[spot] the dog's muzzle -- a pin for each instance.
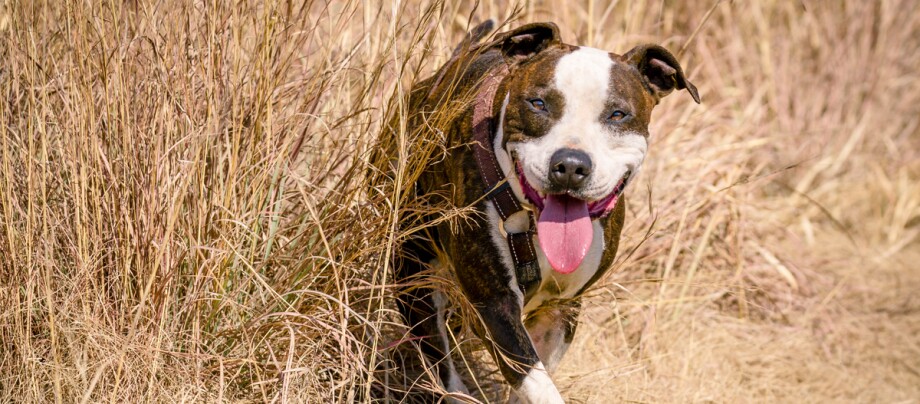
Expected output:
(569, 169)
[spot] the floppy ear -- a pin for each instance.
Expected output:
(527, 40)
(661, 70)
(473, 37)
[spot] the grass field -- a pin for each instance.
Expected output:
(184, 213)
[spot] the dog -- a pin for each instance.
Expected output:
(542, 139)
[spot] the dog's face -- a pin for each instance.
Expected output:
(575, 122)
(574, 128)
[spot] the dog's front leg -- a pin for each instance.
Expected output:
(513, 350)
(552, 328)
(483, 269)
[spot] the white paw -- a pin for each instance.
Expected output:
(537, 388)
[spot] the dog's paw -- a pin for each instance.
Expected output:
(537, 388)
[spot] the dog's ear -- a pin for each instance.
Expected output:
(473, 37)
(528, 40)
(661, 70)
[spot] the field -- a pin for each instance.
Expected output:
(186, 216)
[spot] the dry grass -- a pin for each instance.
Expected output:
(184, 214)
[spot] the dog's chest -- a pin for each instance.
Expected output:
(554, 285)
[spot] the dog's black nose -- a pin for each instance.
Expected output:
(569, 168)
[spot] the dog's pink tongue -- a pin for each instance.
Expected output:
(564, 231)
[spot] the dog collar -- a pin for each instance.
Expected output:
(497, 187)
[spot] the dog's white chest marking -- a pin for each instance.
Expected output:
(554, 285)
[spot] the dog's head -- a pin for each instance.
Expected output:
(574, 122)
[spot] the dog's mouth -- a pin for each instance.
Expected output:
(564, 227)
(596, 209)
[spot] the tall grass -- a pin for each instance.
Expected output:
(185, 213)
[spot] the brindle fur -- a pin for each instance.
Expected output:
(477, 263)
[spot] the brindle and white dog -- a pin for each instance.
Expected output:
(567, 126)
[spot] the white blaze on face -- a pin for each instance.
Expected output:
(583, 78)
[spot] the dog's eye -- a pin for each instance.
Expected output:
(538, 104)
(617, 116)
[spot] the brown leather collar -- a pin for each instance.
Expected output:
(497, 188)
